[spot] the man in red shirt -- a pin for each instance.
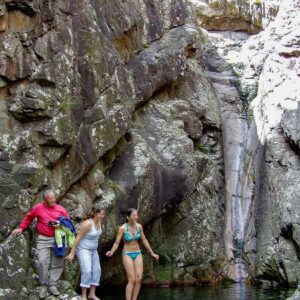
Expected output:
(50, 267)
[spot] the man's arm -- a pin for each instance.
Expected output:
(28, 219)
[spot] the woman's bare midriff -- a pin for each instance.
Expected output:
(131, 246)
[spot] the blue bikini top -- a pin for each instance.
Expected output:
(128, 236)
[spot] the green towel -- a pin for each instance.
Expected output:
(61, 233)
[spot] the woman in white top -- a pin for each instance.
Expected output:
(85, 247)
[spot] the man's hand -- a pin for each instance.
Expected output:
(17, 231)
(57, 226)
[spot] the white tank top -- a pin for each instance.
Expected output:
(91, 239)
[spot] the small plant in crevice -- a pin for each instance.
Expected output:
(115, 186)
(246, 92)
(201, 147)
(227, 280)
(236, 68)
(256, 282)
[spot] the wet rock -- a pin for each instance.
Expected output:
(66, 292)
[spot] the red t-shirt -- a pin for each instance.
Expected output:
(43, 213)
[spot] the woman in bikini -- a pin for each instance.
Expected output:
(131, 232)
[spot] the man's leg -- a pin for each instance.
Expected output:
(44, 248)
(56, 269)
(44, 255)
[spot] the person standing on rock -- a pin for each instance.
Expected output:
(50, 267)
(85, 247)
(132, 232)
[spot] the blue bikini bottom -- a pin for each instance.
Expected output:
(133, 255)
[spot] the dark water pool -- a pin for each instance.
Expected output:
(232, 292)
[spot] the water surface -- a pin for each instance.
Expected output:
(232, 292)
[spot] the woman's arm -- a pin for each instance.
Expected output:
(85, 227)
(146, 243)
(117, 242)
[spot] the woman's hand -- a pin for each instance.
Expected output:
(155, 256)
(109, 253)
(70, 257)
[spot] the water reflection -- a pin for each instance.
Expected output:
(232, 292)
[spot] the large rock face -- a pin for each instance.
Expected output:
(131, 104)
(276, 112)
(257, 83)
(106, 102)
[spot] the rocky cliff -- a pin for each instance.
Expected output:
(107, 102)
(132, 104)
(256, 78)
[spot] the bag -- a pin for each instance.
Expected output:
(60, 251)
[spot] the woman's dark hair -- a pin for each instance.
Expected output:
(129, 212)
(92, 212)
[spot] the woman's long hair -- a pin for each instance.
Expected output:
(129, 212)
(92, 212)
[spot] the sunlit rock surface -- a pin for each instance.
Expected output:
(243, 15)
(257, 82)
